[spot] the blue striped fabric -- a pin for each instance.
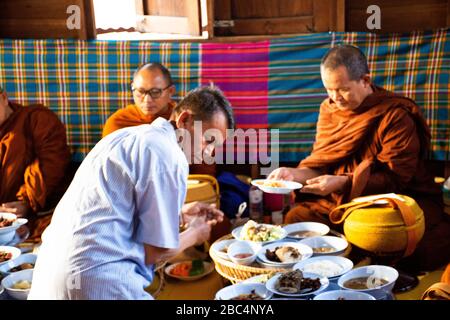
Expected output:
(86, 81)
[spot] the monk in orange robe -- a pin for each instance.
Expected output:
(34, 156)
(152, 94)
(369, 141)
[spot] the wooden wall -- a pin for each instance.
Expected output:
(399, 15)
(274, 17)
(40, 19)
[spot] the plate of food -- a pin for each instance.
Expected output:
(297, 284)
(9, 223)
(259, 232)
(284, 253)
(331, 267)
(189, 270)
(276, 186)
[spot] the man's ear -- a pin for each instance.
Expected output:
(184, 120)
(367, 80)
(172, 90)
(3, 98)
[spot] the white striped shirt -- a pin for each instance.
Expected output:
(128, 191)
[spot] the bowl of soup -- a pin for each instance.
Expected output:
(303, 230)
(376, 280)
(242, 252)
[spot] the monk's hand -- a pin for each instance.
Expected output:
(202, 229)
(282, 173)
(20, 208)
(196, 209)
(325, 184)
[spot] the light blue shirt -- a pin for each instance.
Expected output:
(128, 191)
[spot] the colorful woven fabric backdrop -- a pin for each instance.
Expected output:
(271, 84)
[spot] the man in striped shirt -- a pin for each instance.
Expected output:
(120, 215)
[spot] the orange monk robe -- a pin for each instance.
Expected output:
(133, 116)
(34, 156)
(380, 146)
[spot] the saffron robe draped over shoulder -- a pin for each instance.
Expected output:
(132, 116)
(381, 147)
(34, 155)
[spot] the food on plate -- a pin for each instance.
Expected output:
(324, 268)
(323, 249)
(5, 256)
(285, 254)
(248, 296)
(4, 222)
(188, 269)
(23, 266)
(260, 232)
(22, 285)
(272, 184)
(364, 283)
(294, 282)
(303, 234)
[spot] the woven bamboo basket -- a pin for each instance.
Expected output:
(237, 273)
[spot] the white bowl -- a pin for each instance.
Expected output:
(23, 258)
(319, 229)
(219, 247)
(338, 244)
(344, 265)
(15, 252)
(343, 295)
(9, 281)
(286, 187)
(242, 247)
(8, 233)
(304, 250)
(235, 290)
(373, 272)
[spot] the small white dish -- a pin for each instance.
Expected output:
(220, 248)
(241, 252)
(320, 245)
(271, 285)
(276, 186)
(303, 230)
(304, 250)
(232, 292)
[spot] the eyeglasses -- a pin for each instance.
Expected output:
(155, 93)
